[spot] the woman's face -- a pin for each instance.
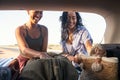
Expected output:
(35, 16)
(72, 20)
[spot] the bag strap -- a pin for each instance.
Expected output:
(56, 69)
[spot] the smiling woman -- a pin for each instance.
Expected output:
(12, 18)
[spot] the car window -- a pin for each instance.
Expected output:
(10, 19)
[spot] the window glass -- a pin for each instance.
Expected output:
(96, 25)
(12, 19)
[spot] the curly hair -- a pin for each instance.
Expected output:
(64, 29)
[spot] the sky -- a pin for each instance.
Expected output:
(11, 19)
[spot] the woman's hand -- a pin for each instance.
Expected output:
(44, 55)
(70, 57)
(78, 58)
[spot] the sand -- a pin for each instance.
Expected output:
(8, 51)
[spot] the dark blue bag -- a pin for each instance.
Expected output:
(5, 73)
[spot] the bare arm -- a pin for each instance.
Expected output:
(45, 39)
(88, 46)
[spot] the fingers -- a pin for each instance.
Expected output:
(44, 55)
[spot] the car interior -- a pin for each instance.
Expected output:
(109, 9)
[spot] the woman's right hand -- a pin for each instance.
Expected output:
(70, 57)
(44, 55)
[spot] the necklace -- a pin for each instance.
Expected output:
(70, 38)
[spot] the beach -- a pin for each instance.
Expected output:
(12, 51)
(9, 51)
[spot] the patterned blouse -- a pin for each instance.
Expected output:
(80, 36)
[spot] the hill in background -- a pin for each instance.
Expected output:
(54, 47)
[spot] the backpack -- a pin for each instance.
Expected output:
(57, 68)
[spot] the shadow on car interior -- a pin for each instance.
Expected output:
(113, 50)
